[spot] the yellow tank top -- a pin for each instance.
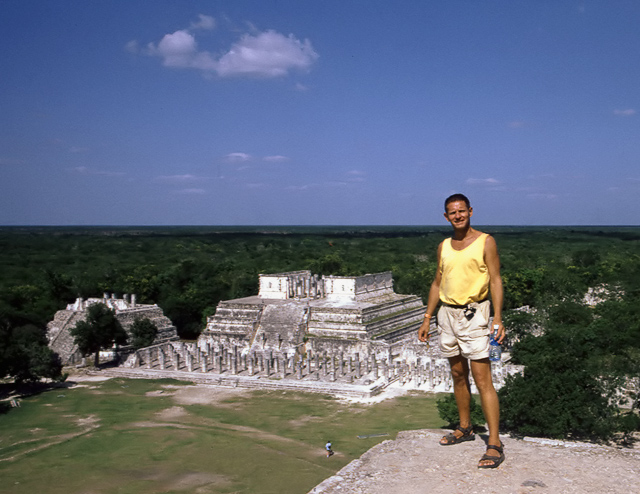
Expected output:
(465, 276)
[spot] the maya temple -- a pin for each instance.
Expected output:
(343, 335)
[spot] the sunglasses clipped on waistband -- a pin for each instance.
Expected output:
(469, 312)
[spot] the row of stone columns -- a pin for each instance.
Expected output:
(426, 372)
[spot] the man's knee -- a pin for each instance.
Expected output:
(459, 368)
(482, 375)
(459, 374)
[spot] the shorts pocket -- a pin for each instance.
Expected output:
(479, 321)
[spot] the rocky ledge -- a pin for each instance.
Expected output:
(415, 463)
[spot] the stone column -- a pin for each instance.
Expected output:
(234, 365)
(204, 363)
(176, 361)
(299, 370)
(267, 366)
(161, 358)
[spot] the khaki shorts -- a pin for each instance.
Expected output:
(461, 336)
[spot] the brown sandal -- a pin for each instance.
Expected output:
(467, 435)
(495, 459)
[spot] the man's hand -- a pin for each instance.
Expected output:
(423, 332)
(498, 334)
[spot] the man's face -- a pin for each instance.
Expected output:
(458, 214)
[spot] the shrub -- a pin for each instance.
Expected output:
(448, 411)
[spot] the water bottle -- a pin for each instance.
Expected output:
(495, 352)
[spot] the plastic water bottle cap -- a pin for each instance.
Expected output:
(496, 326)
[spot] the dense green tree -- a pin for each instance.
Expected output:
(569, 313)
(143, 332)
(521, 323)
(560, 394)
(100, 330)
(24, 354)
(573, 373)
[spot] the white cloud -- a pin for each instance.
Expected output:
(265, 54)
(204, 22)
(482, 181)
(275, 159)
(84, 170)
(190, 191)
(132, 46)
(237, 157)
(178, 178)
(624, 113)
(268, 54)
(299, 188)
(180, 50)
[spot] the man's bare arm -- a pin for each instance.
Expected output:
(432, 302)
(492, 260)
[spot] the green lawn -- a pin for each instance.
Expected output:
(133, 436)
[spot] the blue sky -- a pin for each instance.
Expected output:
(325, 112)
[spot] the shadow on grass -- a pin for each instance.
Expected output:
(20, 390)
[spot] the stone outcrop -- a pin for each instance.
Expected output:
(415, 463)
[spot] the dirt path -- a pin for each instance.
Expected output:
(416, 463)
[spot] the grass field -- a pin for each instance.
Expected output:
(161, 436)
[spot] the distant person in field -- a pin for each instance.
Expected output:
(468, 271)
(328, 448)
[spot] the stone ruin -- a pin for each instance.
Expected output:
(127, 311)
(334, 334)
(299, 313)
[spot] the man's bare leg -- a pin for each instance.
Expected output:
(481, 370)
(461, 392)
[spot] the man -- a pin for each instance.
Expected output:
(328, 448)
(468, 270)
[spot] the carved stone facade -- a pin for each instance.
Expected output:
(348, 336)
(301, 313)
(127, 311)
